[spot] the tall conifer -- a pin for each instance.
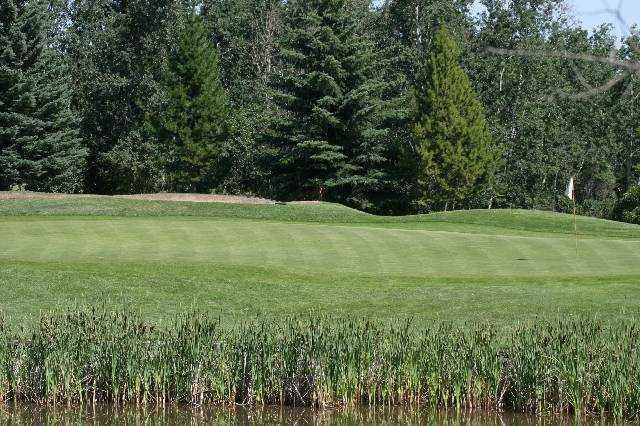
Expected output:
(39, 144)
(327, 135)
(192, 123)
(453, 140)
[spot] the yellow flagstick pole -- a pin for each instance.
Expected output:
(575, 220)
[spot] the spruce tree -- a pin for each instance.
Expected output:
(39, 144)
(191, 126)
(327, 136)
(454, 145)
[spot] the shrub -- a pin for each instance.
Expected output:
(628, 206)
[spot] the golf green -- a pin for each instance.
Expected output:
(241, 261)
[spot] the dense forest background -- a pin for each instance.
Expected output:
(397, 107)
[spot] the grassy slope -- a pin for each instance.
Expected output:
(245, 260)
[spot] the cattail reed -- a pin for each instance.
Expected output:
(568, 366)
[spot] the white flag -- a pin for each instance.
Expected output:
(569, 191)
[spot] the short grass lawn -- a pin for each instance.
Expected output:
(243, 261)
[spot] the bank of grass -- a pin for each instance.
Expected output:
(493, 221)
(243, 262)
(569, 366)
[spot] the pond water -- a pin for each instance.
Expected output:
(108, 415)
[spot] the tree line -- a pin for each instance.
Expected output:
(394, 107)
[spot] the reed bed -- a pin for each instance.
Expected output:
(570, 366)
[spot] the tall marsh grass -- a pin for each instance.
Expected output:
(573, 366)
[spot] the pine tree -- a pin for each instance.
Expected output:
(327, 135)
(192, 123)
(454, 144)
(39, 144)
(117, 51)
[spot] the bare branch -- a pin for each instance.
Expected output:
(583, 81)
(631, 66)
(625, 67)
(593, 91)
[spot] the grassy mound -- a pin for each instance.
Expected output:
(243, 261)
(120, 207)
(486, 221)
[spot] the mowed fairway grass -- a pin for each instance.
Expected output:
(240, 262)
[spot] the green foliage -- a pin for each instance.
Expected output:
(627, 208)
(191, 125)
(117, 50)
(455, 146)
(571, 366)
(328, 134)
(242, 172)
(39, 144)
(545, 113)
(319, 94)
(246, 32)
(625, 116)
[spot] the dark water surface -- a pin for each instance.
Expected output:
(107, 415)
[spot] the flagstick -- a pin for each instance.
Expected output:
(575, 221)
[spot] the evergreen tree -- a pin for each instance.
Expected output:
(39, 144)
(117, 52)
(454, 144)
(191, 124)
(327, 135)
